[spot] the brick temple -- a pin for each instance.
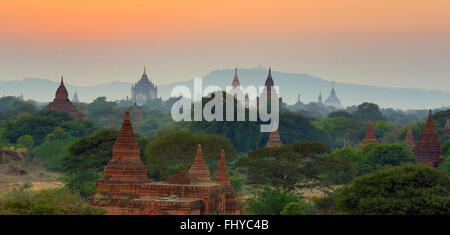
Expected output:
(80, 114)
(125, 188)
(274, 138)
(135, 114)
(370, 135)
(447, 127)
(62, 102)
(428, 149)
(409, 138)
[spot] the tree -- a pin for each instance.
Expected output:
(368, 110)
(404, 190)
(26, 141)
(271, 200)
(293, 208)
(175, 151)
(295, 165)
(91, 152)
(373, 157)
(82, 183)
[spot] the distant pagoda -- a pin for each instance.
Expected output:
(75, 98)
(135, 114)
(80, 115)
(235, 82)
(447, 127)
(274, 138)
(370, 135)
(267, 92)
(319, 100)
(333, 100)
(62, 102)
(409, 138)
(428, 149)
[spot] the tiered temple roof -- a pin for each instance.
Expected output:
(274, 138)
(370, 135)
(222, 176)
(199, 169)
(447, 127)
(428, 149)
(125, 172)
(80, 114)
(135, 113)
(409, 138)
(62, 102)
(235, 82)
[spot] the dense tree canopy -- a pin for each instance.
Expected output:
(367, 111)
(175, 151)
(405, 190)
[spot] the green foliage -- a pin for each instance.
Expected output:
(404, 190)
(374, 157)
(446, 147)
(91, 152)
(367, 111)
(38, 125)
(54, 149)
(344, 131)
(175, 151)
(295, 165)
(47, 202)
(237, 183)
(82, 183)
(272, 200)
(26, 141)
(293, 208)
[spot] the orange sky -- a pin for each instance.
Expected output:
(343, 40)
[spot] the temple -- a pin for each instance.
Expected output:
(447, 128)
(235, 82)
(135, 114)
(333, 100)
(80, 114)
(62, 102)
(274, 138)
(428, 149)
(126, 190)
(267, 92)
(370, 135)
(409, 138)
(75, 98)
(319, 100)
(144, 90)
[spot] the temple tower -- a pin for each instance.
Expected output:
(75, 98)
(409, 138)
(370, 135)
(135, 113)
(80, 114)
(222, 176)
(447, 127)
(428, 149)
(333, 100)
(319, 100)
(274, 138)
(125, 172)
(199, 169)
(61, 101)
(235, 82)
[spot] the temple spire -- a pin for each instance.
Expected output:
(126, 144)
(409, 138)
(370, 135)
(235, 82)
(62, 80)
(222, 176)
(145, 70)
(428, 149)
(199, 169)
(274, 137)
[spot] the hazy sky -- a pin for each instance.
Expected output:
(400, 43)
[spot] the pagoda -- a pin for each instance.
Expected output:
(274, 138)
(80, 114)
(428, 149)
(447, 128)
(370, 135)
(409, 138)
(62, 102)
(199, 169)
(222, 176)
(235, 82)
(136, 116)
(266, 94)
(124, 173)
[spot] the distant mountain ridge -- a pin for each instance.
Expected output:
(290, 84)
